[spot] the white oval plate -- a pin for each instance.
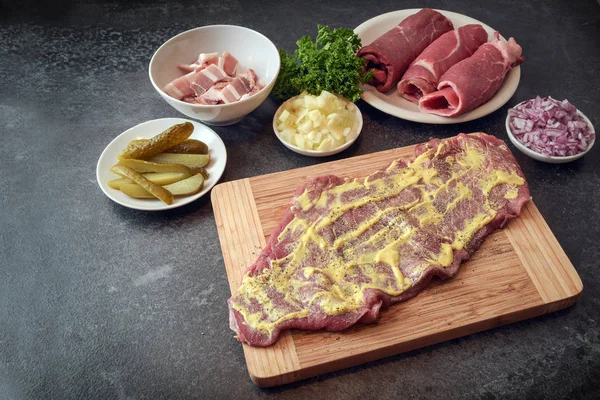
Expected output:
(393, 104)
(218, 159)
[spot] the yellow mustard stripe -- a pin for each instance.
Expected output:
(327, 274)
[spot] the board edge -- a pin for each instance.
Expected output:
(400, 348)
(284, 350)
(562, 269)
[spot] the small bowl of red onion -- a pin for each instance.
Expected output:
(550, 130)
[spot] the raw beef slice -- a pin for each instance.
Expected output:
(390, 54)
(347, 247)
(424, 73)
(473, 81)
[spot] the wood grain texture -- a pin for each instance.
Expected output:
(240, 229)
(542, 256)
(519, 272)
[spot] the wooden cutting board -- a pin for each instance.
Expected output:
(519, 272)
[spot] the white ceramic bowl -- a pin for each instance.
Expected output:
(318, 153)
(542, 157)
(252, 49)
(148, 129)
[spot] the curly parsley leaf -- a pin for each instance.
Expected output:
(329, 63)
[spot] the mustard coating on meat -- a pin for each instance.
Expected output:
(370, 255)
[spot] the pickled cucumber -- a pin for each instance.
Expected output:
(189, 160)
(136, 191)
(146, 149)
(186, 187)
(160, 178)
(189, 146)
(147, 166)
(201, 171)
(138, 142)
(154, 189)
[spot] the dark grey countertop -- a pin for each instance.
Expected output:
(99, 301)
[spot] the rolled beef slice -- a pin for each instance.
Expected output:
(391, 54)
(473, 81)
(422, 76)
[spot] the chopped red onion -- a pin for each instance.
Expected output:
(550, 127)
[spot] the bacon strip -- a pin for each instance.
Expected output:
(207, 77)
(214, 80)
(213, 95)
(236, 89)
(181, 87)
(230, 64)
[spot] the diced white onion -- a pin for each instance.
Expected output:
(321, 122)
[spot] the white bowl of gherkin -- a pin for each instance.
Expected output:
(161, 164)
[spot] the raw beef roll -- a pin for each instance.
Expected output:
(422, 76)
(473, 81)
(391, 53)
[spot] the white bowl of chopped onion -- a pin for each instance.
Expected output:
(317, 126)
(550, 130)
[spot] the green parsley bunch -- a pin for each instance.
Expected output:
(329, 63)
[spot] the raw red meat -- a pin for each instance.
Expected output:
(391, 53)
(197, 81)
(230, 63)
(237, 88)
(203, 61)
(213, 80)
(473, 81)
(286, 292)
(423, 74)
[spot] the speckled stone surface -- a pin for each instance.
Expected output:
(99, 301)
